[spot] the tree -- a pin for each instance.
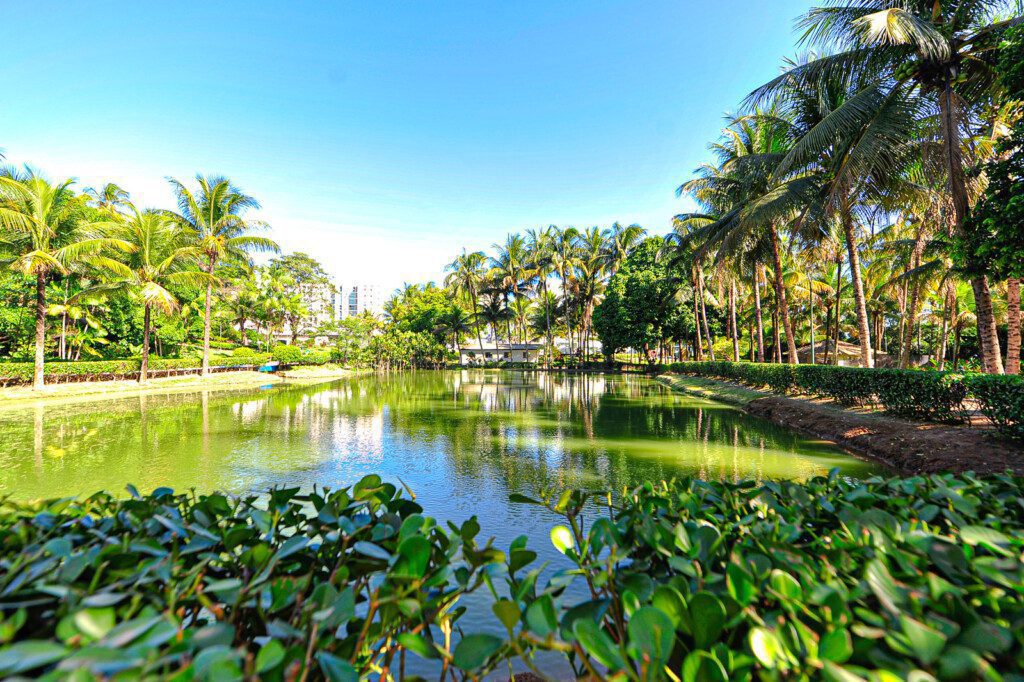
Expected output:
(159, 257)
(110, 198)
(310, 283)
(46, 231)
(943, 48)
(215, 215)
(466, 276)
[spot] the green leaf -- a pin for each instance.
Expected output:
(95, 623)
(598, 644)
(507, 612)
(29, 655)
(651, 634)
(986, 537)
(541, 618)
(270, 656)
(418, 645)
(414, 557)
(927, 642)
(785, 585)
(882, 584)
(837, 673)
(765, 646)
(336, 669)
(740, 584)
(707, 618)
(472, 651)
(836, 646)
(372, 550)
(700, 666)
(562, 539)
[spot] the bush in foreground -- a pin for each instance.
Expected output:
(884, 579)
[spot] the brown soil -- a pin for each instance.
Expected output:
(908, 447)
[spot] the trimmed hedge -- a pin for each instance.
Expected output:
(12, 373)
(1001, 399)
(884, 579)
(293, 355)
(916, 394)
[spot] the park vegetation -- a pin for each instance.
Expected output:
(885, 579)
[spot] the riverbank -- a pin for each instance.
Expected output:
(23, 396)
(908, 447)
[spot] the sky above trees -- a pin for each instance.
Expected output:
(381, 137)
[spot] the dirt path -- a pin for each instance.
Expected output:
(908, 447)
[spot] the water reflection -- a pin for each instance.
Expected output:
(449, 434)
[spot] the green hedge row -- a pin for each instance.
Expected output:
(293, 355)
(885, 579)
(916, 394)
(22, 372)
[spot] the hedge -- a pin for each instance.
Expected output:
(918, 394)
(884, 579)
(1001, 399)
(293, 355)
(93, 370)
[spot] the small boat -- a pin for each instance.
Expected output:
(270, 366)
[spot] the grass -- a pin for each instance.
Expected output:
(711, 389)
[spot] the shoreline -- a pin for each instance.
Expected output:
(907, 447)
(14, 397)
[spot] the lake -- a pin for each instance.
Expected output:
(462, 440)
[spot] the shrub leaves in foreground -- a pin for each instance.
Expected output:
(887, 579)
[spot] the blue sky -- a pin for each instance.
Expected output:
(382, 137)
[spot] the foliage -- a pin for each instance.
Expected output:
(918, 394)
(423, 309)
(212, 587)
(900, 578)
(641, 307)
(13, 373)
(1001, 398)
(995, 235)
(293, 355)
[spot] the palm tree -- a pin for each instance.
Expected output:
(621, 240)
(509, 269)
(456, 323)
(564, 260)
(109, 198)
(161, 256)
(45, 232)
(946, 50)
(215, 217)
(541, 246)
(466, 276)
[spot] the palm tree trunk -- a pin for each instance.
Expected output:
(698, 345)
(867, 358)
(780, 297)
(776, 337)
(144, 365)
(37, 376)
(1013, 326)
(988, 338)
(757, 312)
(704, 313)
(206, 323)
(476, 321)
(732, 323)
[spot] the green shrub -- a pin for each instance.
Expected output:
(58, 371)
(845, 385)
(243, 352)
(921, 394)
(287, 354)
(1001, 398)
(884, 579)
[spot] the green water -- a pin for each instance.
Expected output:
(457, 438)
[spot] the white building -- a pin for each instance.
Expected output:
(470, 354)
(358, 298)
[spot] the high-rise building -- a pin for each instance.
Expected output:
(359, 298)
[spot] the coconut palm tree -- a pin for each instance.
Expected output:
(160, 257)
(110, 198)
(564, 259)
(946, 51)
(466, 275)
(215, 215)
(45, 231)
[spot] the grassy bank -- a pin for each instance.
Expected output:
(23, 396)
(720, 391)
